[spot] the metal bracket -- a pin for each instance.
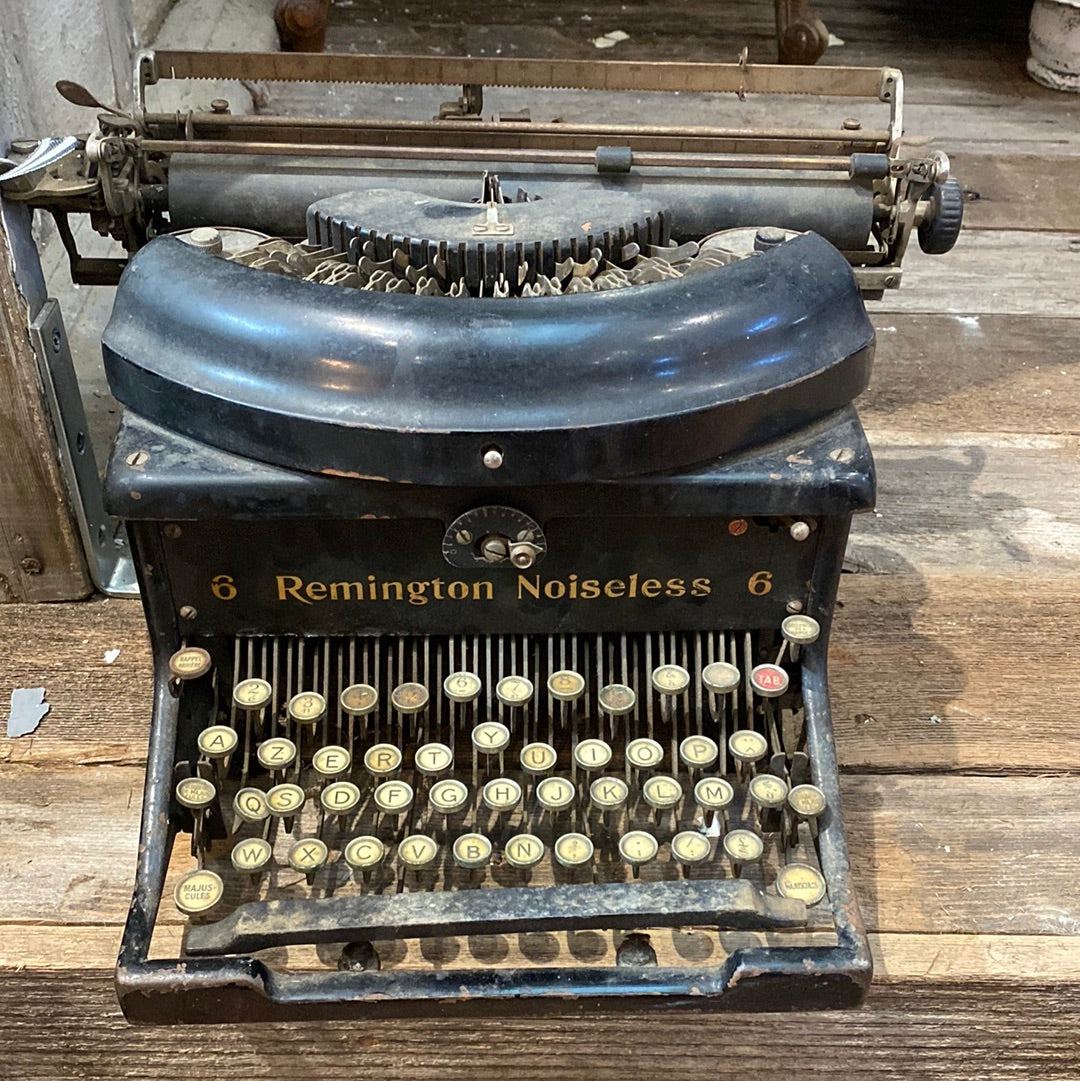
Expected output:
(104, 537)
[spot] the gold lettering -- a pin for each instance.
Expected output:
(417, 592)
(614, 587)
(483, 591)
(590, 589)
(700, 587)
(457, 591)
(676, 587)
(650, 588)
(532, 588)
(346, 591)
(393, 591)
(289, 585)
(316, 591)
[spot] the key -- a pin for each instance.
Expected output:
(331, 761)
(449, 796)
(417, 851)
(462, 687)
(217, 742)
(721, 677)
(565, 685)
(592, 754)
(807, 801)
(523, 851)
(251, 856)
(431, 759)
(689, 848)
(514, 690)
(339, 798)
(196, 794)
(307, 856)
(670, 679)
(698, 752)
(538, 758)
(573, 849)
(747, 747)
(801, 882)
(644, 753)
(393, 797)
(364, 853)
(382, 759)
(501, 794)
(472, 851)
(609, 793)
(555, 793)
(307, 708)
(638, 848)
(662, 793)
(252, 695)
(250, 804)
(742, 847)
(616, 699)
(769, 680)
(276, 754)
(359, 699)
(191, 662)
(409, 698)
(713, 794)
(768, 792)
(285, 800)
(198, 892)
(491, 737)
(800, 630)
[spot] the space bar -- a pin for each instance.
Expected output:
(729, 904)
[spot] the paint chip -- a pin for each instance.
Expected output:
(111, 656)
(610, 39)
(28, 707)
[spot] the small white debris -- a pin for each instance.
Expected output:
(610, 39)
(935, 719)
(111, 655)
(834, 41)
(28, 708)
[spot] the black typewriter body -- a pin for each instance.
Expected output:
(604, 586)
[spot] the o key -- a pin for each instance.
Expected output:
(769, 680)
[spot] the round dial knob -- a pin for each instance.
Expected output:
(493, 536)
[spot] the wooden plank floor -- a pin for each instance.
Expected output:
(954, 661)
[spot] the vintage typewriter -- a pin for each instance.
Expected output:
(488, 483)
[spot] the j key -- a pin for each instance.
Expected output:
(573, 850)
(359, 699)
(308, 856)
(555, 793)
(252, 695)
(609, 793)
(198, 892)
(277, 753)
(363, 853)
(721, 677)
(698, 752)
(807, 801)
(670, 679)
(393, 797)
(331, 761)
(662, 793)
(382, 759)
(462, 687)
(250, 804)
(417, 851)
(307, 708)
(285, 800)
(644, 753)
(592, 754)
(523, 851)
(538, 758)
(409, 698)
(514, 690)
(638, 848)
(217, 742)
(616, 699)
(449, 796)
(191, 662)
(566, 686)
(501, 794)
(802, 882)
(431, 759)
(339, 798)
(472, 851)
(769, 680)
(252, 855)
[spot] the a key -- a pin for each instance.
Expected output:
(462, 687)
(191, 662)
(638, 848)
(307, 856)
(698, 752)
(768, 680)
(501, 794)
(382, 759)
(251, 855)
(409, 698)
(690, 848)
(742, 847)
(573, 850)
(514, 691)
(644, 753)
(449, 796)
(217, 742)
(592, 754)
(523, 851)
(276, 754)
(198, 892)
(472, 851)
(670, 679)
(721, 677)
(307, 708)
(331, 761)
(340, 798)
(250, 805)
(616, 699)
(801, 882)
(555, 793)
(285, 800)
(393, 797)
(538, 758)
(358, 699)
(432, 759)
(565, 685)
(252, 695)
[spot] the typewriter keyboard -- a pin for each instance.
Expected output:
(375, 767)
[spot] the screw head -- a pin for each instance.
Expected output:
(138, 458)
(493, 458)
(794, 607)
(188, 612)
(56, 340)
(852, 123)
(738, 526)
(171, 531)
(799, 531)
(30, 565)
